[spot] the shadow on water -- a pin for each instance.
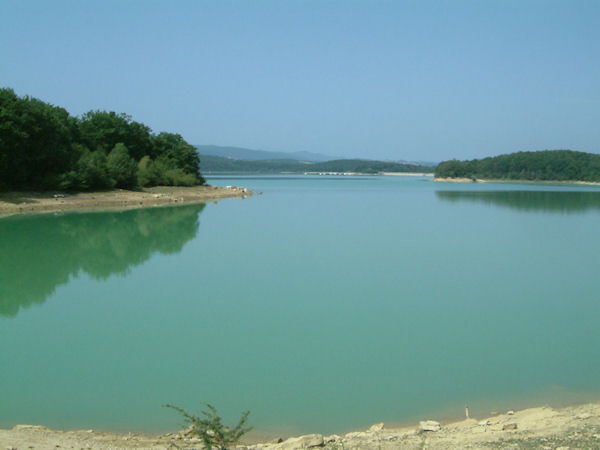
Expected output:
(529, 201)
(42, 252)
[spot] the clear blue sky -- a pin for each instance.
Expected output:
(413, 80)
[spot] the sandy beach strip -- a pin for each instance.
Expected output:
(117, 199)
(485, 180)
(407, 174)
(542, 427)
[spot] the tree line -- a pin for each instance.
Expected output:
(220, 164)
(43, 147)
(546, 165)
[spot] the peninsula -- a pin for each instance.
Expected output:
(565, 166)
(114, 199)
(44, 148)
(51, 161)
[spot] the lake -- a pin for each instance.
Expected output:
(323, 305)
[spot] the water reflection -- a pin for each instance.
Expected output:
(42, 252)
(542, 201)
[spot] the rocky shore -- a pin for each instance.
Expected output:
(116, 199)
(536, 428)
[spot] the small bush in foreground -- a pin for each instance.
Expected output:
(209, 427)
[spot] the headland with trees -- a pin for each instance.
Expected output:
(43, 147)
(546, 165)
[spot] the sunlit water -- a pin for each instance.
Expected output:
(322, 305)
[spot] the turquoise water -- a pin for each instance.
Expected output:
(323, 305)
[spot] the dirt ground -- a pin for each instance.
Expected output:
(575, 427)
(46, 202)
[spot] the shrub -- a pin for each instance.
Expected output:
(164, 171)
(209, 427)
(177, 177)
(147, 174)
(121, 167)
(92, 171)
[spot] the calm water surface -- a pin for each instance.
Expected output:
(323, 305)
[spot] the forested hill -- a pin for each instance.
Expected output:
(258, 155)
(216, 164)
(43, 147)
(546, 165)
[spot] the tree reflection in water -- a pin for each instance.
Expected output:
(530, 201)
(44, 251)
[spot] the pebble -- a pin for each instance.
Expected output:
(429, 425)
(332, 438)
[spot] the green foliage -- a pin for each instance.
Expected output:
(147, 172)
(103, 130)
(209, 427)
(181, 154)
(164, 172)
(220, 164)
(121, 167)
(177, 177)
(547, 165)
(92, 171)
(35, 141)
(43, 147)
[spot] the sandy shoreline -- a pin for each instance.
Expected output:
(407, 174)
(363, 174)
(117, 199)
(482, 180)
(542, 427)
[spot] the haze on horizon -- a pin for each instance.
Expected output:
(412, 80)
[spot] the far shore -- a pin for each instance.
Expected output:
(407, 174)
(326, 173)
(541, 427)
(387, 174)
(485, 180)
(12, 203)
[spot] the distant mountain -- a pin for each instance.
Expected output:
(259, 155)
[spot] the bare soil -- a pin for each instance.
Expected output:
(573, 427)
(116, 199)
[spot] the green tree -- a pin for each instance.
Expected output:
(121, 167)
(182, 155)
(43, 147)
(93, 172)
(546, 165)
(35, 142)
(147, 173)
(103, 130)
